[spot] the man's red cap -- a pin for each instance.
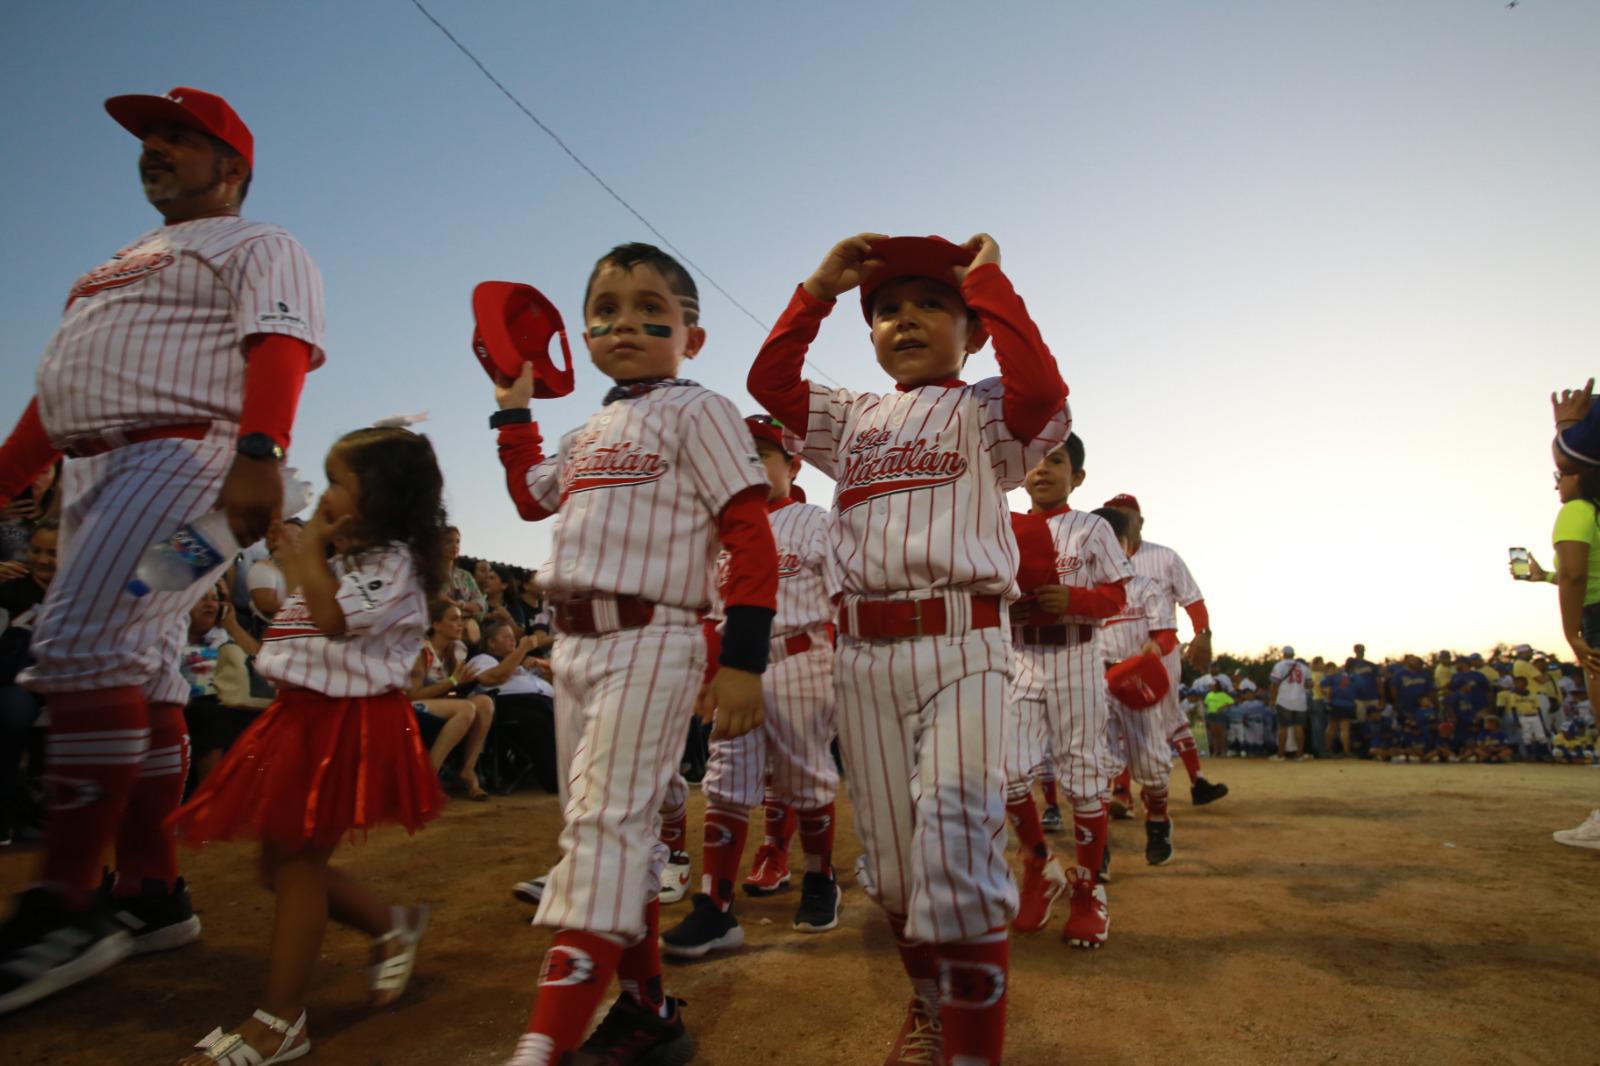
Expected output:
(1124, 501)
(917, 257)
(196, 108)
(1139, 681)
(514, 325)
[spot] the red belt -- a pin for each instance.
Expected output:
(87, 444)
(1053, 636)
(577, 616)
(796, 644)
(896, 619)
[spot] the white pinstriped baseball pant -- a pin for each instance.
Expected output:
(1058, 711)
(1137, 740)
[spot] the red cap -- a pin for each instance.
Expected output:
(187, 107)
(1139, 681)
(769, 429)
(514, 325)
(1125, 502)
(916, 257)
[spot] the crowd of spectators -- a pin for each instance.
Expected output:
(1512, 705)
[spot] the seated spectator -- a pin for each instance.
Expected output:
(463, 592)
(1574, 741)
(513, 672)
(440, 691)
(1491, 745)
(19, 709)
(527, 606)
(264, 579)
(1378, 740)
(21, 515)
(495, 584)
(215, 663)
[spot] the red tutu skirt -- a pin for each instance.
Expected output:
(314, 768)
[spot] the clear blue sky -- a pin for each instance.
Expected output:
(1310, 269)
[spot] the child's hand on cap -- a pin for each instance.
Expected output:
(517, 393)
(984, 248)
(844, 267)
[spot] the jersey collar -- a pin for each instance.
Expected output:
(940, 383)
(1063, 509)
(778, 505)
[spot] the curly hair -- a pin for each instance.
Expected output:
(401, 496)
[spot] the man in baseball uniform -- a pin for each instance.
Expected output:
(789, 753)
(642, 494)
(1072, 574)
(923, 538)
(171, 387)
(1166, 568)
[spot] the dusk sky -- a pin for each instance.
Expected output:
(1311, 270)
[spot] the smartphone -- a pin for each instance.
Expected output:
(1519, 563)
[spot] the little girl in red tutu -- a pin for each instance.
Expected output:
(338, 750)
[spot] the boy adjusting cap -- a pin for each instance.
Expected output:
(514, 325)
(916, 257)
(186, 106)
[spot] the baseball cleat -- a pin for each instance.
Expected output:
(44, 949)
(919, 1042)
(819, 904)
(530, 891)
(1050, 820)
(1157, 842)
(158, 919)
(707, 928)
(675, 878)
(1088, 923)
(769, 871)
(630, 1033)
(1205, 792)
(1042, 883)
(1586, 835)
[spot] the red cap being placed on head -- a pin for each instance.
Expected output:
(769, 429)
(916, 257)
(514, 325)
(1125, 502)
(196, 108)
(1138, 682)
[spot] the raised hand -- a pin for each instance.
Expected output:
(844, 267)
(985, 250)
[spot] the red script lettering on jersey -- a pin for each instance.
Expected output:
(119, 272)
(610, 467)
(902, 468)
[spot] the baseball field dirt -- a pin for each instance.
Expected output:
(1333, 912)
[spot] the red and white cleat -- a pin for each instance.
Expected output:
(769, 872)
(920, 1043)
(1088, 923)
(1042, 883)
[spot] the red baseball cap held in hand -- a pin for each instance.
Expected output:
(1123, 501)
(196, 108)
(514, 325)
(1139, 682)
(916, 257)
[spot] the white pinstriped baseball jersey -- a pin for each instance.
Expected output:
(1087, 553)
(1174, 583)
(808, 576)
(155, 335)
(385, 617)
(1125, 632)
(633, 488)
(920, 483)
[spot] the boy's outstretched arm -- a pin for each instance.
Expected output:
(1034, 391)
(530, 477)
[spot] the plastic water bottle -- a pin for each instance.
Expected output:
(203, 545)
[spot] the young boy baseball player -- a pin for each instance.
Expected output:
(789, 753)
(643, 494)
(923, 538)
(1072, 575)
(1138, 739)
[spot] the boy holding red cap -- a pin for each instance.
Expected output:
(170, 387)
(928, 559)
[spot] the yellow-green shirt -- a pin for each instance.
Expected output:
(1576, 522)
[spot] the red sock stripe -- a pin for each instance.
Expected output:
(972, 1000)
(574, 979)
(816, 838)
(723, 852)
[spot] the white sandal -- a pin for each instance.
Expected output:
(230, 1049)
(390, 974)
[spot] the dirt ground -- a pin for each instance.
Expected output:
(1336, 912)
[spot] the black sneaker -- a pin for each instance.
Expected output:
(630, 1033)
(819, 904)
(1157, 842)
(44, 949)
(530, 891)
(1104, 876)
(160, 920)
(1205, 792)
(1050, 820)
(707, 928)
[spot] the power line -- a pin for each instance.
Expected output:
(587, 169)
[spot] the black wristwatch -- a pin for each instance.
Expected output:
(259, 446)
(510, 416)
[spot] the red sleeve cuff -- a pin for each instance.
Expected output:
(1199, 617)
(25, 454)
(1166, 640)
(1099, 601)
(275, 371)
(520, 448)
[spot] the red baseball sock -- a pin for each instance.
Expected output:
(972, 999)
(1024, 815)
(816, 838)
(1051, 797)
(1123, 782)
(921, 964)
(572, 982)
(723, 851)
(1183, 741)
(93, 754)
(675, 828)
(1092, 826)
(146, 849)
(1155, 805)
(639, 968)
(780, 821)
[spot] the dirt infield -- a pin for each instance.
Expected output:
(1336, 912)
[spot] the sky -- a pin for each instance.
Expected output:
(1310, 270)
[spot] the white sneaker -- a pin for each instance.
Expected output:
(1274, 758)
(530, 891)
(1586, 835)
(675, 878)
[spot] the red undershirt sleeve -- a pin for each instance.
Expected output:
(26, 453)
(275, 371)
(1166, 639)
(1099, 601)
(1199, 617)
(750, 590)
(1034, 391)
(521, 449)
(777, 378)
